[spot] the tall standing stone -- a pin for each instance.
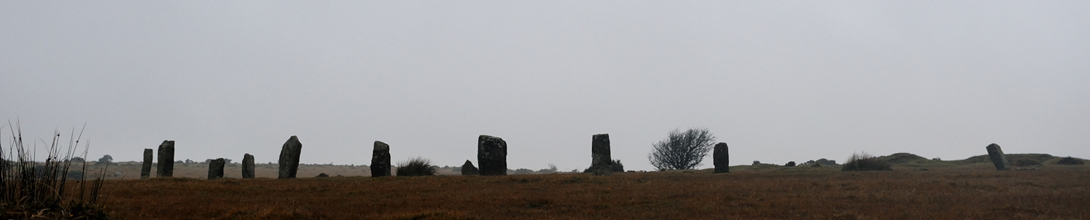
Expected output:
(469, 170)
(215, 168)
(380, 160)
(998, 158)
(247, 166)
(165, 168)
(145, 171)
(601, 161)
(721, 158)
(289, 158)
(492, 155)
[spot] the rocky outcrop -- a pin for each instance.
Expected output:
(492, 155)
(289, 158)
(721, 158)
(601, 161)
(215, 168)
(165, 167)
(380, 160)
(998, 158)
(469, 170)
(247, 166)
(145, 171)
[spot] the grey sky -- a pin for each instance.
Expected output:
(777, 80)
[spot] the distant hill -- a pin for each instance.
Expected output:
(1017, 160)
(913, 161)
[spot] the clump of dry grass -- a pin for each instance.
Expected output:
(865, 162)
(416, 167)
(37, 190)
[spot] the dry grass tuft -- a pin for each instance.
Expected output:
(416, 167)
(41, 190)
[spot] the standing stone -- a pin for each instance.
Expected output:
(601, 162)
(492, 155)
(721, 158)
(998, 158)
(469, 170)
(247, 166)
(289, 158)
(165, 168)
(215, 168)
(380, 160)
(145, 171)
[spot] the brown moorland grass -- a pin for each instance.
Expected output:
(973, 192)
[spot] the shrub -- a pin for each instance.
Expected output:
(416, 167)
(865, 162)
(1069, 161)
(617, 166)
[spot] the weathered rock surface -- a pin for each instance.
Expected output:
(247, 166)
(215, 168)
(145, 171)
(998, 158)
(720, 158)
(289, 158)
(492, 155)
(469, 170)
(601, 161)
(380, 160)
(165, 167)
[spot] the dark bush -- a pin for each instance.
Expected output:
(617, 166)
(865, 162)
(416, 167)
(1069, 161)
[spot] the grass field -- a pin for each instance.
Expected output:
(965, 191)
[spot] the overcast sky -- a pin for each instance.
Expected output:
(778, 81)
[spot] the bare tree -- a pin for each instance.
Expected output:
(682, 150)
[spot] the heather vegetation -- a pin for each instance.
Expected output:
(814, 189)
(961, 192)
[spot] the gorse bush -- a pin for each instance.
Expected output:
(416, 167)
(865, 162)
(36, 190)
